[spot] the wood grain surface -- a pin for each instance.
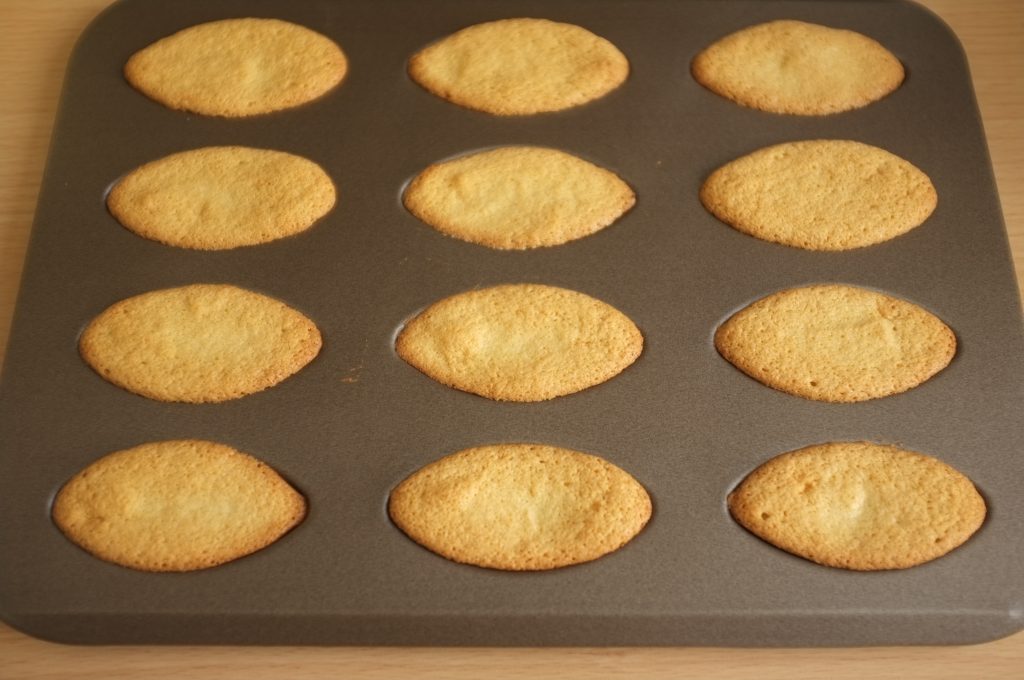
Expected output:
(36, 37)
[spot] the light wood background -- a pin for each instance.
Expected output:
(36, 37)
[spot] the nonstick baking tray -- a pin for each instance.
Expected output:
(358, 419)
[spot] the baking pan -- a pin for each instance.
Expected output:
(358, 420)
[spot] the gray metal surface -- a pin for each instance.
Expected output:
(357, 420)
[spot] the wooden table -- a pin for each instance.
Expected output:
(36, 37)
